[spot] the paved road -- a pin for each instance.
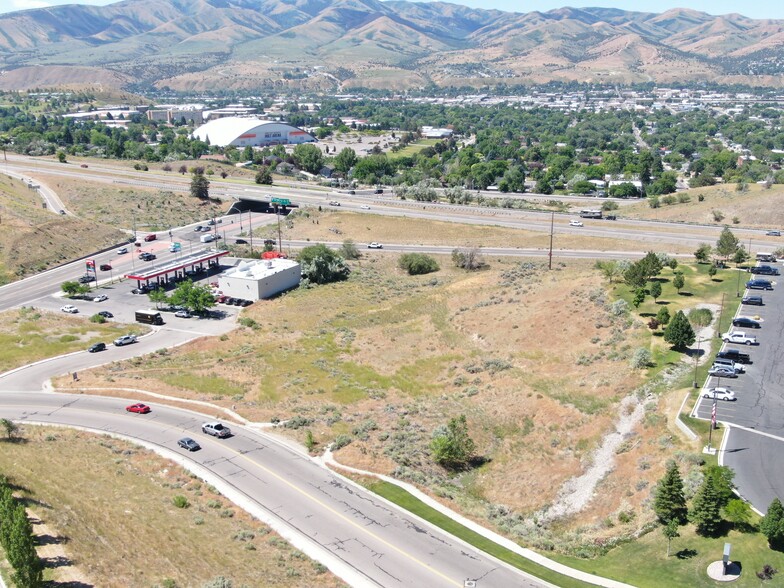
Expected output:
(649, 233)
(367, 541)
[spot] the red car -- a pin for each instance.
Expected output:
(138, 407)
(150, 237)
(105, 267)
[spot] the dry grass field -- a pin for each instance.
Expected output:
(101, 204)
(329, 225)
(33, 239)
(112, 502)
(755, 207)
(28, 335)
(534, 358)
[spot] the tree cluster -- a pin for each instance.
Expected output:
(322, 265)
(18, 541)
(417, 263)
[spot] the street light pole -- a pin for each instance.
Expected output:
(738, 286)
(696, 360)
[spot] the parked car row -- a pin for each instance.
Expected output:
(222, 299)
(730, 362)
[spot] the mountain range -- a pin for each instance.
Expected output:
(195, 45)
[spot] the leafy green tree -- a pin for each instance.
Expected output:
(61, 157)
(772, 524)
(200, 186)
(679, 332)
(703, 253)
(158, 296)
(308, 157)
(712, 271)
(670, 531)
(349, 250)
(10, 428)
(417, 263)
(678, 282)
(741, 256)
(452, 446)
(639, 297)
(345, 160)
(705, 510)
(656, 290)
(321, 265)
(727, 244)
(663, 316)
(610, 270)
(264, 177)
(669, 502)
(194, 297)
(70, 288)
(738, 512)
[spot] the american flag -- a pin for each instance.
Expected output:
(713, 414)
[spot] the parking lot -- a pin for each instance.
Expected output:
(760, 390)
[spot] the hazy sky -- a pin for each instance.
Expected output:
(758, 9)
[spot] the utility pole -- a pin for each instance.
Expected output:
(280, 240)
(552, 228)
(250, 232)
(721, 313)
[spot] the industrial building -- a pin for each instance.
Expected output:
(254, 279)
(250, 132)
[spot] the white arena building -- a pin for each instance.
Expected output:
(250, 132)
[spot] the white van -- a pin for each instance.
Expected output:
(208, 238)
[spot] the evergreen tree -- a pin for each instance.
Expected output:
(706, 510)
(669, 503)
(679, 333)
(651, 264)
(200, 186)
(636, 275)
(772, 524)
(721, 477)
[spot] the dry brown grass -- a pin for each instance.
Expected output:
(113, 501)
(756, 207)
(363, 228)
(101, 204)
(531, 357)
(33, 239)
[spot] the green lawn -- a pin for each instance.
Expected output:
(699, 288)
(407, 501)
(644, 562)
(414, 148)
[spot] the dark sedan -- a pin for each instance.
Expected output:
(746, 322)
(189, 444)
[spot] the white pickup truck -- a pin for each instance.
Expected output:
(739, 337)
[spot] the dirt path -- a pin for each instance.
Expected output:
(52, 552)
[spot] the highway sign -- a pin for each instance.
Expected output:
(281, 201)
